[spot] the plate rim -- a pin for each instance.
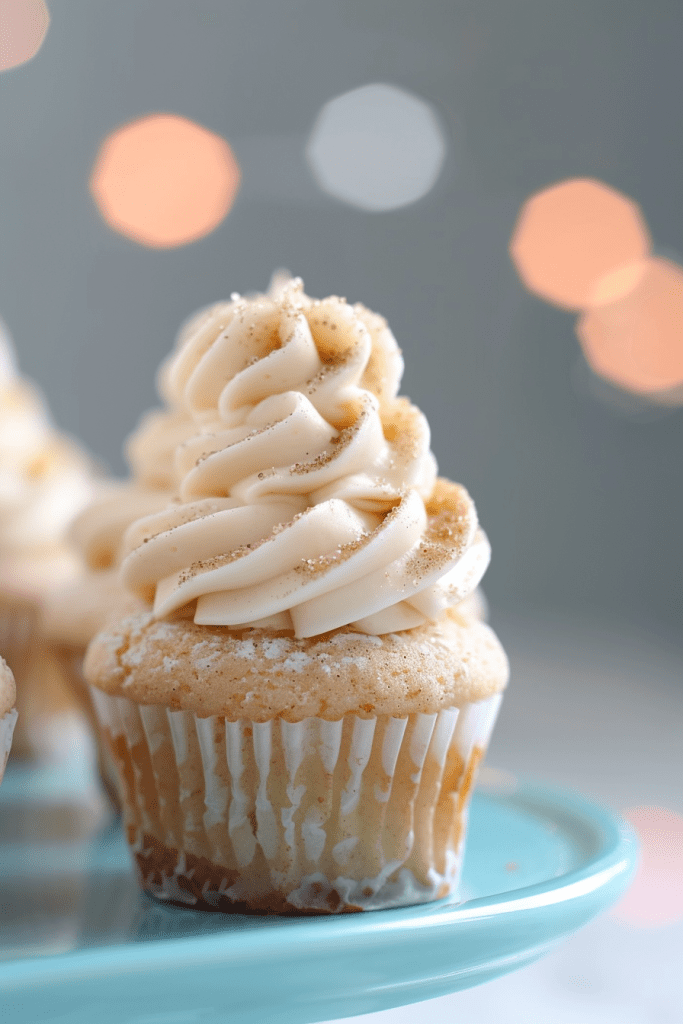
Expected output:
(613, 864)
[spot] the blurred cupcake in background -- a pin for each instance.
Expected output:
(45, 480)
(73, 613)
(8, 713)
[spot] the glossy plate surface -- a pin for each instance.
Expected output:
(79, 944)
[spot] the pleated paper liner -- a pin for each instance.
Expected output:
(306, 817)
(7, 723)
(50, 720)
(18, 623)
(70, 659)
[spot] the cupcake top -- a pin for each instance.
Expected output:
(8, 691)
(44, 482)
(261, 674)
(308, 498)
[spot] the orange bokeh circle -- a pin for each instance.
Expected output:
(637, 341)
(574, 242)
(164, 181)
(23, 25)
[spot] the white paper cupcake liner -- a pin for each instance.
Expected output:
(17, 638)
(7, 723)
(50, 724)
(71, 664)
(312, 816)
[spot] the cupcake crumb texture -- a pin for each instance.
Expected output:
(257, 674)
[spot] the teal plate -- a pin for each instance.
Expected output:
(79, 944)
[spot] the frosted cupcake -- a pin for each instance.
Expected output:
(8, 713)
(74, 613)
(44, 482)
(299, 716)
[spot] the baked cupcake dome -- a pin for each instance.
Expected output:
(262, 674)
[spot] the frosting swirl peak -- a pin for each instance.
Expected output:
(308, 496)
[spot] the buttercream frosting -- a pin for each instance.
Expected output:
(150, 451)
(308, 498)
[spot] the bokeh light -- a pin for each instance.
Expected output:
(580, 243)
(377, 147)
(636, 342)
(23, 25)
(656, 895)
(164, 181)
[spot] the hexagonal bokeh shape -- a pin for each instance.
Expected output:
(23, 26)
(636, 342)
(377, 147)
(164, 181)
(579, 243)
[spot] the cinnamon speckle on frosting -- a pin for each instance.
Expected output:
(300, 397)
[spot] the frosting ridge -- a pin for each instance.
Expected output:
(308, 497)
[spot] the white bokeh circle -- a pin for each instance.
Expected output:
(377, 147)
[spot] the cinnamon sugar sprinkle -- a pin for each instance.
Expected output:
(184, 514)
(450, 515)
(446, 528)
(320, 565)
(218, 561)
(341, 442)
(428, 558)
(232, 444)
(402, 427)
(332, 347)
(223, 559)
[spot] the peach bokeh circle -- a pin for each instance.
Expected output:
(578, 243)
(164, 181)
(23, 26)
(636, 342)
(656, 894)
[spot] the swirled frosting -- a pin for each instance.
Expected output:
(308, 498)
(150, 450)
(98, 531)
(72, 614)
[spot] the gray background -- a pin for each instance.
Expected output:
(581, 495)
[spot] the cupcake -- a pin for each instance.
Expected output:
(74, 613)
(44, 482)
(298, 715)
(8, 713)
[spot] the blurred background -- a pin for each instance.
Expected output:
(500, 179)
